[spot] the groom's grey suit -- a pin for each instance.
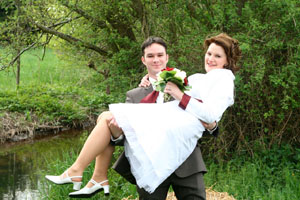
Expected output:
(183, 181)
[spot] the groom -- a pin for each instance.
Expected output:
(187, 181)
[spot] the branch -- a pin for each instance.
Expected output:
(104, 72)
(101, 24)
(63, 22)
(19, 54)
(124, 29)
(72, 40)
(57, 24)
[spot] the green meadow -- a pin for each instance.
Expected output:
(38, 70)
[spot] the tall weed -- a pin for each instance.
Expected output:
(268, 175)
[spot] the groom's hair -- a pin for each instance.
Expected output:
(151, 40)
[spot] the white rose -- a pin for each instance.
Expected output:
(176, 70)
(159, 77)
(181, 75)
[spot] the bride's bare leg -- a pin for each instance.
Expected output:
(95, 145)
(102, 165)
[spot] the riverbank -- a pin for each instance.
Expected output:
(32, 110)
(15, 127)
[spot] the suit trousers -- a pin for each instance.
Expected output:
(186, 188)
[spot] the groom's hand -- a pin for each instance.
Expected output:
(145, 81)
(115, 130)
(210, 126)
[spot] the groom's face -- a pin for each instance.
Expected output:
(155, 59)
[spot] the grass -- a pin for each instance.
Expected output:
(119, 187)
(268, 175)
(50, 70)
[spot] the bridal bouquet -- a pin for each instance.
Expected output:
(175, 76)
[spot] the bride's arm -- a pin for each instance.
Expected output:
(177, 94)
(220, 97)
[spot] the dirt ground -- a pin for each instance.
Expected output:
(210, 195)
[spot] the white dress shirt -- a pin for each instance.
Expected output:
(160, 98)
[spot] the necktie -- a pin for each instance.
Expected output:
(150, 98)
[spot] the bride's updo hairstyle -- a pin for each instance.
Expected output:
(231, 48)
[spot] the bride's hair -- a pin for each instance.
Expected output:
(231, 48)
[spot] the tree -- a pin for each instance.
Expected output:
(105, 35)
(16, 35)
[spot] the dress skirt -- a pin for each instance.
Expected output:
(159, 138)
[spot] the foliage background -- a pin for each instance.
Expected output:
(106, 36)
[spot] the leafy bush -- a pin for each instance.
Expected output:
(267, 95)
(65, 105)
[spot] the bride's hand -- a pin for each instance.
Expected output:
(145, 81)
(173, 90)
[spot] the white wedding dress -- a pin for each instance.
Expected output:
(160, 137)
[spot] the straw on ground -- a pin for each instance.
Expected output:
(210, 195)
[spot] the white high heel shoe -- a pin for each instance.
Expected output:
(89, 192)
(68, 179)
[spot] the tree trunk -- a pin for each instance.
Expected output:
(18, 4)
(18, 70)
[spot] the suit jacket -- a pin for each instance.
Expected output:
(193, 164)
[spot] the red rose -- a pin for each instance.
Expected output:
(185, 81)
(167, 69)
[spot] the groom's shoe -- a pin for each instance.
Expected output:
(89, 192)
(58, 180)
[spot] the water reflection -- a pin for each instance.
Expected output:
(21, 163)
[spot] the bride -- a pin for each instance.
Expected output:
(160, 137)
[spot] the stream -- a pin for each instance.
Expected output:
(21, 163)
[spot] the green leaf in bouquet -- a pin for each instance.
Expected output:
(166, 74)
(187, 88)
(176, 81)
(160, 86)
